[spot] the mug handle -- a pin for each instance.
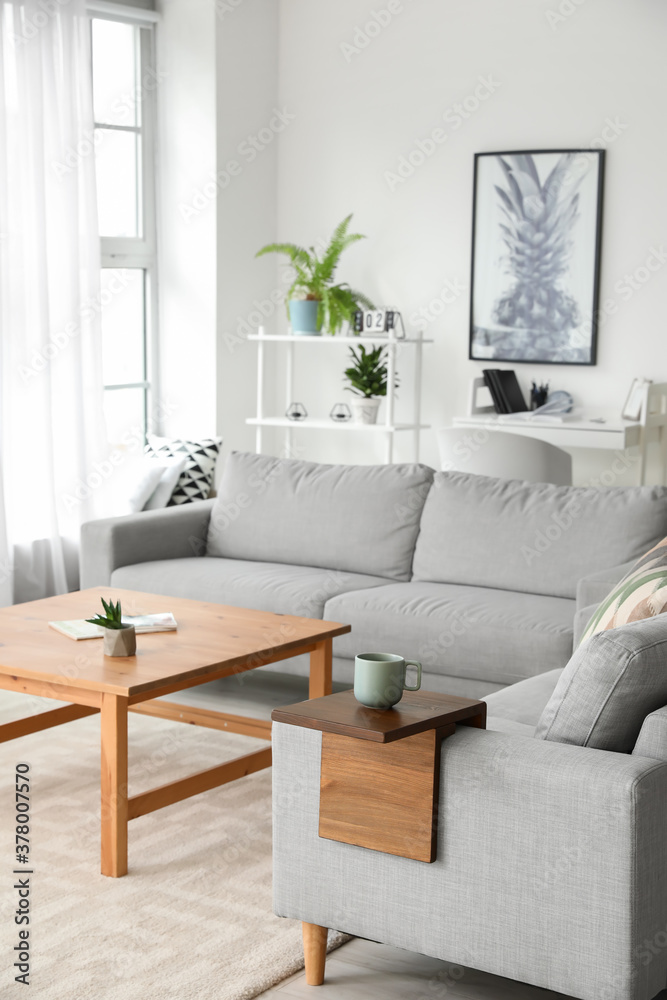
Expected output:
(413, 663)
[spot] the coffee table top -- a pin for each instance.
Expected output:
(416, 712)
(212, 639)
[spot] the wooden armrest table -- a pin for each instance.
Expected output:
(379, 777)
(212, 641)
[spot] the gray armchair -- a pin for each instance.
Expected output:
(551, 865)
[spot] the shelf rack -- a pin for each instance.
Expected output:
(388, 428)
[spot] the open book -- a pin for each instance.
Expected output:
(79, 628)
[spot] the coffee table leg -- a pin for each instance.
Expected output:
(320, 669)
(114, 785)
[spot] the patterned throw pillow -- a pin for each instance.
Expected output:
(196, 479)
(642, 593)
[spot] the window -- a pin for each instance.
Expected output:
(124, 83)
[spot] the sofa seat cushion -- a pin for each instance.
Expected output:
(613, 681)
(533, 537)
(472, 632)
(352, 518)
(522, 703)
(497, 724)
(288, 590)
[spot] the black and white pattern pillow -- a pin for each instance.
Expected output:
(196, 480)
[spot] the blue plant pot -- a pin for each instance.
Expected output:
(303, 317)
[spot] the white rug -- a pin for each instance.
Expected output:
(191, 921)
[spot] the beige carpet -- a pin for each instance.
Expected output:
(191, 921)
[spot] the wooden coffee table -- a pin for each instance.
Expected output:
(212, 641)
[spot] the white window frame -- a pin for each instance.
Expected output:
(139, 252)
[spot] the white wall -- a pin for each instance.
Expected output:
(356, 113)
(187, 217)
(247, 89)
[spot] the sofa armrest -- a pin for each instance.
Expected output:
(537, 842)
(593, 589)
(652, 739)
(168, 533)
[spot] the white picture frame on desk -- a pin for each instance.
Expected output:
(632, 408)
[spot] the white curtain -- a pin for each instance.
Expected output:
(51, 419)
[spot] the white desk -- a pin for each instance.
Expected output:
(614, 433)
(582, 432)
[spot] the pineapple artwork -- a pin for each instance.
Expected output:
(536, 257)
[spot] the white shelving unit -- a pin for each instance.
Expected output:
(388, 428)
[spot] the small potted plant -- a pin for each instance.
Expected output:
(368, 381)
(314, 302)
(119, 639)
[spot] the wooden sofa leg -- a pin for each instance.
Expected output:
(315, 952)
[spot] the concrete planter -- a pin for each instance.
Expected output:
(365, 409)
(120, 641)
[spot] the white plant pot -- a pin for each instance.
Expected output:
(365, 410)
(120, 641)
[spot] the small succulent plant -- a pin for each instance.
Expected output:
(112, 618)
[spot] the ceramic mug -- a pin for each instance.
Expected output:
(379, 679)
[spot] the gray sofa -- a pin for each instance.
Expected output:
(551, 864)
(485, 581)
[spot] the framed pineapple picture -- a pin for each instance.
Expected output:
(537, 223)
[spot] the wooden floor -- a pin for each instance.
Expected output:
(363, 970)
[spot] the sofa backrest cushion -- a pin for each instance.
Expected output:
(613, 681)
(353, 518)
(532, 537)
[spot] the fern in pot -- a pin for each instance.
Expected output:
(119, 639)
(314, 302)
(368, 379)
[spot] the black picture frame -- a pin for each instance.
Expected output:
(536, 251)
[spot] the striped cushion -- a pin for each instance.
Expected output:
(642, 593)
